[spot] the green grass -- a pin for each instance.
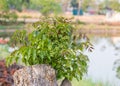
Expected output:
(6, 34)
(7, 30)
(89, 82)
(15, 26)
(82, 83)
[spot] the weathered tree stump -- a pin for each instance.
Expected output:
(36, 75)
(6, 73)
(66, 82)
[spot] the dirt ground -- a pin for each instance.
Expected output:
(33, 16)
(89, 18)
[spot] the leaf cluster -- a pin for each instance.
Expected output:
(52, 42)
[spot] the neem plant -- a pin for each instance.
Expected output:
(52, 42)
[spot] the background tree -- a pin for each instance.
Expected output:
(85, 4)
(6, 16)
(64, 4)
(115, 5)
(74, 3)
(46, 6)
(18, 4)
(101, 6)
(3, 5)
(88, 3)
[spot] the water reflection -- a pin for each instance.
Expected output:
(102, 59)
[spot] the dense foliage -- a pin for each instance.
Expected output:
(115, 5)
(3, 5)
(46, 6)
(52, 42)
(112, 4)
(13, 4)
(74, 3)
(18, 4)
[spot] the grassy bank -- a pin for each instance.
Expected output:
(13, 26)
(89, 82)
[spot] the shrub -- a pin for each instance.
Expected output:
(52, 42)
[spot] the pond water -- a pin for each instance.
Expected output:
(102, 59)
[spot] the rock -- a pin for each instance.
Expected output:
(36, 75)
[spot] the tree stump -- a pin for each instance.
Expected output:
(36, 75)
(6, 73)
(66, 82)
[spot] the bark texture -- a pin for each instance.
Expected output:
(36, 75)
(66, 82)
(6, 73)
